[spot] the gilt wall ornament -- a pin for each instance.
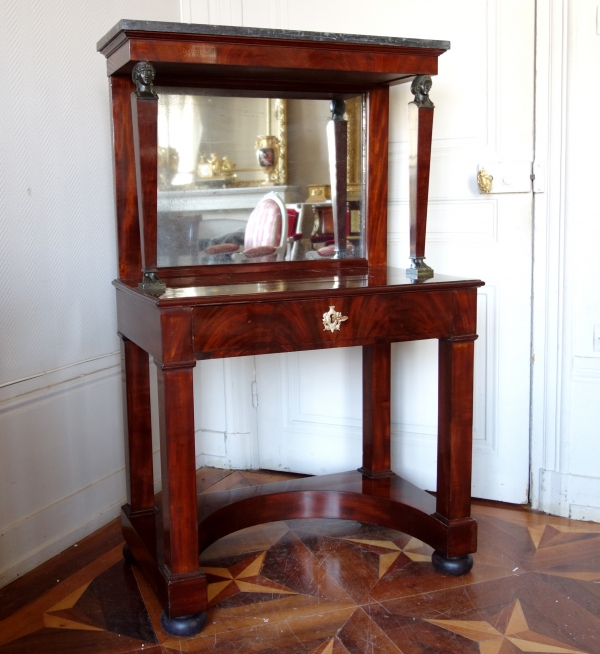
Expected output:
(484, 181)
(332, 320)
(143, 74)
(420, 88)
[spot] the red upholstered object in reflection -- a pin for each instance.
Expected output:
(264, 226)
(222, 248)
(292, 215)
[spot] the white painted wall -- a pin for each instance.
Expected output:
(61, 443)
(566, 377)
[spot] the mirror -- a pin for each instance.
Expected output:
(247, 180)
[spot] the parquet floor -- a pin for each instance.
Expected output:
(326, 587)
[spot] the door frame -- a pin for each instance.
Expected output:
(551, 327)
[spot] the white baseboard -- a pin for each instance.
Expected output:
(570, 496)
(62, 469)
(39, 537)
(232, 451)
(62, 474)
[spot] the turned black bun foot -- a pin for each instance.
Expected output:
(128, 554)
(457, 565)
(187, 625)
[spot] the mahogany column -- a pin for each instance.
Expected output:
(455, 438)
(376, 410)
(178, 467)
(138, 427)
(144, 116)
(179, 503)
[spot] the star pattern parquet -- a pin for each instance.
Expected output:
(328, 587)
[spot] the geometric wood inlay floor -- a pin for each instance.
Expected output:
(326, 587)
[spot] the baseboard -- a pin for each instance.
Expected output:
(570, 496)
(224, 450)
(34, 540)
(62, 470)
(59, 430)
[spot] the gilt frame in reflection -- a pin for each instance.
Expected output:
(185, 163)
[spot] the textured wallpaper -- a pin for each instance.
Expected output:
(57, 225)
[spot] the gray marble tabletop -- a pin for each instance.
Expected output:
(226, 30)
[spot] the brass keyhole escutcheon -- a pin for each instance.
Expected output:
(332, 320)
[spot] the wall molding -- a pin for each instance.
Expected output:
(24, 545)
(486, 141)
(586, 370)
(43, 532)
(483, 225)
(51, 378)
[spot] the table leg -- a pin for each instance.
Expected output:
(376, 410)
(179, 504)
(138, 432)
(138, 428)
(455, 424)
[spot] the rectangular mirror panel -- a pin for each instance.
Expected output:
(248, 180)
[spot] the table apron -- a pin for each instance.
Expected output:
(287, 326)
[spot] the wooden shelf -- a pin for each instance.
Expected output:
(387, 501)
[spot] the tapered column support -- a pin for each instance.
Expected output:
(144, 115)
(179, 503)
(178, 467)
(337, 143)
(455, 441)
(455, 428)
(376, 410)
(420, 129)
(138, 428)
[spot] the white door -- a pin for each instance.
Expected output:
(310, 403)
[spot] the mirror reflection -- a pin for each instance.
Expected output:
(248, 180)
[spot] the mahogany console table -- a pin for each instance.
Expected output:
(180, 315)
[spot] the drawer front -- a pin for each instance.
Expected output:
(287, 326)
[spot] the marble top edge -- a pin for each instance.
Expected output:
(266, 33)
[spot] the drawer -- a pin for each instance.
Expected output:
(290, 325)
